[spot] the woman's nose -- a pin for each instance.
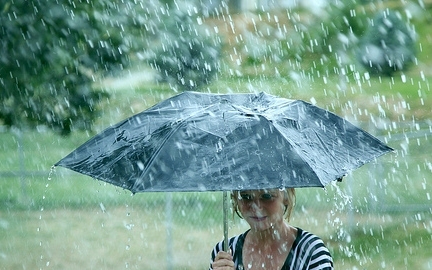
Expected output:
(256, 204)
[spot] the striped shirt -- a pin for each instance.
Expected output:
(308, 252)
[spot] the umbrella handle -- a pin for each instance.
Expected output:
(225, 220)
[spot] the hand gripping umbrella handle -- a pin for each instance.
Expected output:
(225, 220)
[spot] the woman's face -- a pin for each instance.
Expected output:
(262, 209)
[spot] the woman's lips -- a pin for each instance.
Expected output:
(258, 218)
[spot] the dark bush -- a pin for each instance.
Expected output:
(388, 45)
(184, 54)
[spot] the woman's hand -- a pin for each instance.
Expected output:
(223, 261)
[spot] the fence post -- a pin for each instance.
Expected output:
(169, 242)
(21, 161)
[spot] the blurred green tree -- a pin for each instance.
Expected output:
(51, 51)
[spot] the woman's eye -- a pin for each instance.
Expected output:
(246, 197)
(266, 197)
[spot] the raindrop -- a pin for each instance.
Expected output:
(102, 207)
(140, 165)
(313, 101)
(129, 226)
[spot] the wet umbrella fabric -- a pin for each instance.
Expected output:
(215, 142)
(221, 142)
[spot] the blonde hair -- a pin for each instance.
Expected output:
(289, 195)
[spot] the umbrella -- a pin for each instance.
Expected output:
(223, 142)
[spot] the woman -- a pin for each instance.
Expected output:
(270, 243)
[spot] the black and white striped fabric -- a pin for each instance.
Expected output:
(307, 253)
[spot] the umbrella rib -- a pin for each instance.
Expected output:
(275, 125)
(179, 123)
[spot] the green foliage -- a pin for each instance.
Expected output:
(331, 38)
(388, 45)
(328, 38)
(184, 54)
(50, 53)
(340, 28)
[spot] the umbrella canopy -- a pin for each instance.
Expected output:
(220, 142)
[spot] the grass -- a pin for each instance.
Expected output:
(378, 218)
(396, 242)
(135, 237)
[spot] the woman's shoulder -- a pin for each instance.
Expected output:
(306, 235)
(308, 241)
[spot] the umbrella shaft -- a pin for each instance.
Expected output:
(225, 219)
